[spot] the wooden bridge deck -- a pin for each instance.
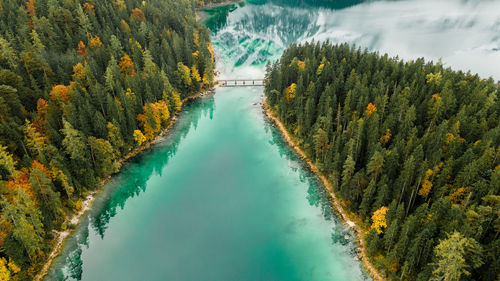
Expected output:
(241, 82)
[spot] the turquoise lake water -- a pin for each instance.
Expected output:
(221, 198)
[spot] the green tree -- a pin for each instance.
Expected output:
(73, 142)
(452, 253)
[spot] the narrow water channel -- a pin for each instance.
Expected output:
(221, 198)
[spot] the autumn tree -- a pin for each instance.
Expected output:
(379, 220)
(139, 137)
(127, 65)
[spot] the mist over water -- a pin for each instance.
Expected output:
(465, 35)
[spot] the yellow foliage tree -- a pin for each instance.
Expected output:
(163, 109)
(320, 69)
(449, 138)
(63, 179)
(130, 94)
(79, 72)
(139, 137)
(95, 42)
(434, 78)
(6, 160)
(138, 45)
(7, 269)
(185, 74)
(35, 140)
(151, 120)
(207, 79)
(379, 220)
(149, 131)
(426, 184)
(302, 65)
(196, 55)
(4, 270)
(196, 38)
(176, 100)
(457, 195)
(13, 267)
(290, 92)
(211, 51)
(195, 75)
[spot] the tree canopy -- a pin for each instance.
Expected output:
(412, 147)
(83, 83)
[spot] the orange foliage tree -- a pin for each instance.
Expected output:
(59, 93)
(89, 8)
(125, 28)
(370, 109)
(31, 11)
(82, 49)
(302, 65)
(127, 65)
(387, 137)
(42, 107)
(138, 14)
(21, 180)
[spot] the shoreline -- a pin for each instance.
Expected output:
(365, 261)
(90, 196)
(221, 4)
(202, 18)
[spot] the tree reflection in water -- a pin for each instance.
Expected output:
(130, 182)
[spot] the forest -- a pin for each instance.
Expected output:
(82, 85)
(412, 149)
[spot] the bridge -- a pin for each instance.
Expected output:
(241, 82)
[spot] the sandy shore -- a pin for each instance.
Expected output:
(89, 199)
(374, 273)
(61, 235)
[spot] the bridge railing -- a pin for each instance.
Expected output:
(241, 82)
